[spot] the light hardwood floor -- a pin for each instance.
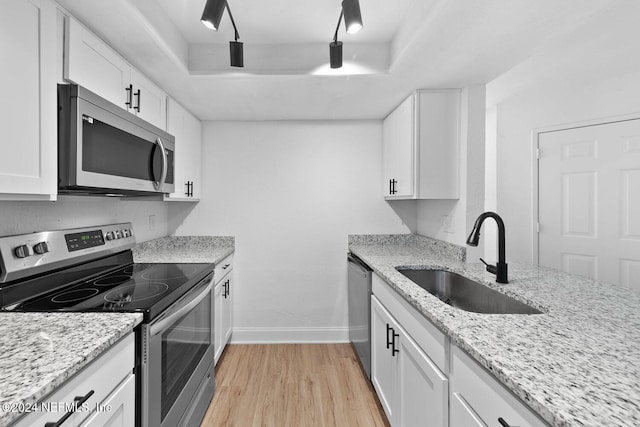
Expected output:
(295, 385)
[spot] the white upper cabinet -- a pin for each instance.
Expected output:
(28, 163)
(188, 162)
(421, 146)
(149, 101)
(92, 63)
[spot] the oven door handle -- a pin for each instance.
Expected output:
(184, 307)
(163, 176)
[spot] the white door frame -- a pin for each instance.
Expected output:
(535, 168)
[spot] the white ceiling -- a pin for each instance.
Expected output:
(404, 45)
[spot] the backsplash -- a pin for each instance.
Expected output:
(448, 250)
(84, 211)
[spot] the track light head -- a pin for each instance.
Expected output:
(335, 54)
(212, 13)
(352, 16)
(236, 53)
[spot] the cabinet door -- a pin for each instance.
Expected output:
(383, 364)
(119, 409)
(91, 63)
(149, 101)
(423, 388)
(28, 163)
(193, 132)
(217, 320)
(399, 151)
(227, 309)
(188, 158)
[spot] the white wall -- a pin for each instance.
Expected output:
(81, 211)
(291, 192)
(452, 220)
(591, 73)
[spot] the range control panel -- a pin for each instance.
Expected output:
(25, 255)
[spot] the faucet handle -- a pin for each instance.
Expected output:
(490, 268)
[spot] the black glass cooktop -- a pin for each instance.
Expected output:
(147, 288)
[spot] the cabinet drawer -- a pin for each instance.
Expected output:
(102, 376)
(223, 268)
(482, 396)
(424, 333)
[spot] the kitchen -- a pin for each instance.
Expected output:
(291, 162)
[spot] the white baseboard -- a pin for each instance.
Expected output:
(290, 335)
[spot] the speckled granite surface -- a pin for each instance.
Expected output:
(184, 249)
(578, 364)
(435, 246)
(40, 351)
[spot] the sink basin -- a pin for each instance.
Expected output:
(465, 294)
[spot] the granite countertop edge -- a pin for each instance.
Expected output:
(40, 329)
(185, 249)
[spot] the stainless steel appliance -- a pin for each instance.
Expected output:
(103, 149)
(359, 295)
(92, 269)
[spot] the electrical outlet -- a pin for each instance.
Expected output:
(152, 222)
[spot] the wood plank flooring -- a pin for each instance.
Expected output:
(292, 385)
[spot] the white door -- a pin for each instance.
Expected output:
(589, 201)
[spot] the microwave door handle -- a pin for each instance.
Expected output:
(163, 176)
(162, 323)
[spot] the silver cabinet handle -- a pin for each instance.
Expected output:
(163, 322)
(158, 184)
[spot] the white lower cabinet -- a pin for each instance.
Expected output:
(103, 391)
(412, 390)
(480, 400)
(223, 305)
(423, 380)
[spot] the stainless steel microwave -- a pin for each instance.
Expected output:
(105, 150)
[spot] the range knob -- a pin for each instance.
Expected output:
(126, 232)
(109, 235)
(41, 248)
(22, 251)
(116, 234)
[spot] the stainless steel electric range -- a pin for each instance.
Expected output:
(92, 269)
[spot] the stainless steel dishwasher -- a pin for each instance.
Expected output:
(359, 286)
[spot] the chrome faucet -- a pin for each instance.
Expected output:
(500, 269)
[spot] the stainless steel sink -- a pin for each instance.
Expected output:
(465, 294)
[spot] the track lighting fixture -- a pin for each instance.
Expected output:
(211, 17)
(352, 22)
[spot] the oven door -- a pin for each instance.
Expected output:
(177, 366)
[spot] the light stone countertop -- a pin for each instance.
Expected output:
(578, 364)
(40, 351)
(184, 249)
